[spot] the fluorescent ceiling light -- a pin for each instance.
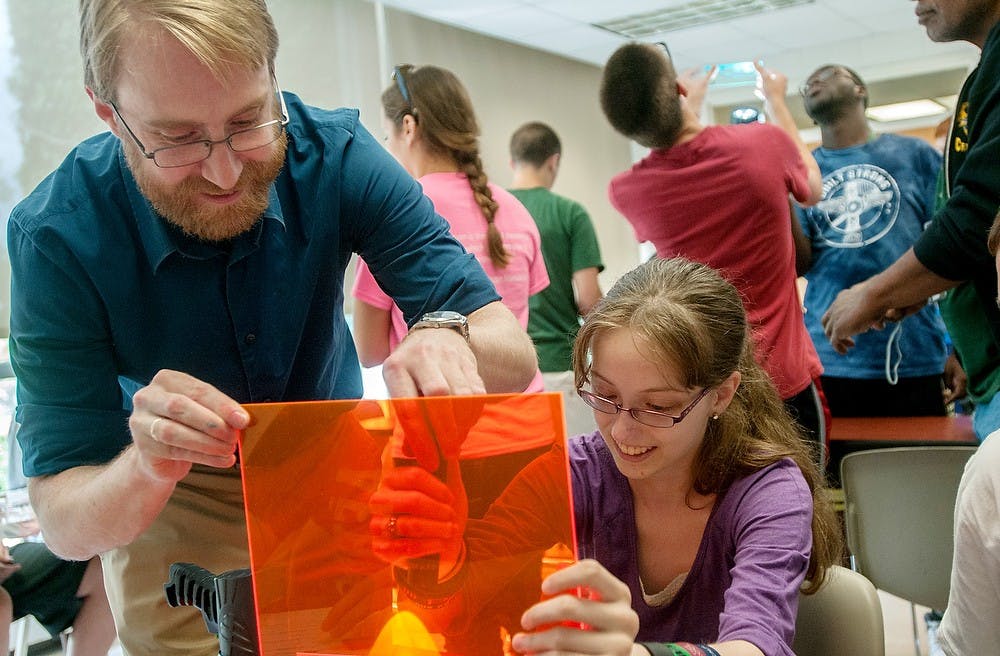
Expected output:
(906, 110)
(734, 74)
(691, 14)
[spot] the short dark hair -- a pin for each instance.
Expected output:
(533, 143)
(639, 95)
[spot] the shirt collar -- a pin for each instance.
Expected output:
(159, 239)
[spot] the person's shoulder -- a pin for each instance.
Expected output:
(90, 173)
(590, 462)
(902, 141)
(991, 47)
(653, 161)
(502, 195)
(761, 131)
(912, 151)
(757, 137)
(512, 206)
(309, 121)
(989, 449)
(781, 479)
(587, 447)
(568, 202)
(982, 473)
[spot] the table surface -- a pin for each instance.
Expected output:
(956, 429)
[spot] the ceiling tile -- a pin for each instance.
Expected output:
(577, 39)
(593, 11)
(519, 22)
(801, 26)
(450, 11)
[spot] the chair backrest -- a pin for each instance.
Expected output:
(899, 515)
(843, 617)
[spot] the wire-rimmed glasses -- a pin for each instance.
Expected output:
(646, 417)
(823, 75)
(241, 141)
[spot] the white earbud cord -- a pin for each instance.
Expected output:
(892, 369)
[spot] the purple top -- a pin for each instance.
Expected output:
(744, 583)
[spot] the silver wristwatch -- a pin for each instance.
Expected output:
(444, 319)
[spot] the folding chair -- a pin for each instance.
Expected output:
(899, 515)
(843, 617)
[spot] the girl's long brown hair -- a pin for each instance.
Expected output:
(694, 322)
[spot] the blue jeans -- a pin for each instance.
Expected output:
(986, 417)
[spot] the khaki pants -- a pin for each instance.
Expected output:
(204, 524)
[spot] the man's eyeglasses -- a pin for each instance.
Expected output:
(646, 417)
(666, 49)
(241, 141)
(824, 75)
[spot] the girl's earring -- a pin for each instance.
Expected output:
(715, 417)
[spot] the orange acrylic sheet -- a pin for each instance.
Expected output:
(309, 472)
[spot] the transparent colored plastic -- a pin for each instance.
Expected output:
(330, 575)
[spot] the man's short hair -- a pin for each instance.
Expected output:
(534, 143)
(220, 33)
(639, 95)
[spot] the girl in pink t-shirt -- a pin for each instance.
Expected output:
(431, 129)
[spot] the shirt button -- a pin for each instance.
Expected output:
(250, 338)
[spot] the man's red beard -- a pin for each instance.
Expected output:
(181, 206)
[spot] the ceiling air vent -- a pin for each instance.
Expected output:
(691, 14)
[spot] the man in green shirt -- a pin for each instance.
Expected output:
(572, 257)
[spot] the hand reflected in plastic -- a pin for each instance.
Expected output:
(414, 514)
(434, 428)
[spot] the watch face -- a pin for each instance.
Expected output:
(445, 319)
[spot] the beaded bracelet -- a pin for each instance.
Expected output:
(679, 649)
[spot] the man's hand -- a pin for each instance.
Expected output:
(432, 362)
(848, 315)
(771, 83)
(179, 420)
(695, 82)
(955, 380)
(7, 564)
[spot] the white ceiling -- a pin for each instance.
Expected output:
(879, 38)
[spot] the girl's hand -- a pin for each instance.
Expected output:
(589, 612)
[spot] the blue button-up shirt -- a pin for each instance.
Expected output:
(105, 292)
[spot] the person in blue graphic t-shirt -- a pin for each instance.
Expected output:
(878, 196)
